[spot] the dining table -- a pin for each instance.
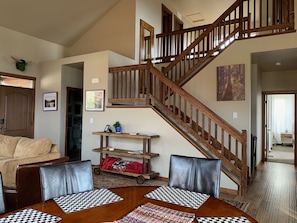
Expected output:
(127, 199)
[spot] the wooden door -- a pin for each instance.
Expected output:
(166, 28)
(17, 111)
(74, 123)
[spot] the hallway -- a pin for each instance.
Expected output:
(281, 154)
(272, 194)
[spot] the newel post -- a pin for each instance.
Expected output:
(244, 170)
(148, 82)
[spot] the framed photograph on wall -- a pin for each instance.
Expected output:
(95, 100)
(231, 83)
(50, 101)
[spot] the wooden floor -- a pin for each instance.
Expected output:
(272, 194)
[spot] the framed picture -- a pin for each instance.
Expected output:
(50, 101)
(231, 83)
(95, 100)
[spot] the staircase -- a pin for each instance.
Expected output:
(145, 85)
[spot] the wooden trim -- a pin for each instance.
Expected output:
(265, 93)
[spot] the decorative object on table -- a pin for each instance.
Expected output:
(50, 101)
(20, 64)
(107, 128)
(95, 100)
(154, 213)
(117, 126)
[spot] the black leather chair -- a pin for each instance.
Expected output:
(2, 201)
(79, 177)
(195, 174)
(27, 190)
(67, 178)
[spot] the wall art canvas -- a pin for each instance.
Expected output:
(231, 83)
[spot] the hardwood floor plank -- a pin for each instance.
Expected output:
(272, 194)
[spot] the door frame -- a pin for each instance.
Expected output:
(20, 82)
(143, 40)
(264, 119)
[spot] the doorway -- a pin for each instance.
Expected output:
(279, 127)
(146, 42)
(74, 123)
(17, 105)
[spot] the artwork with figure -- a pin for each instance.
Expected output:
(230, 83)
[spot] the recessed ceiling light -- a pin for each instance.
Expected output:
(278, 63)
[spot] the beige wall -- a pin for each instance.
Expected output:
(279, 80)
(31, 49)
(203, 86)
(115, 31)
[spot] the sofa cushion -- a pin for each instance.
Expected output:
(8, 145)
(27, 147)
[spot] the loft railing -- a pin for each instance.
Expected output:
(190, 49)
(145, 85)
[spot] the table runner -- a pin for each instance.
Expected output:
(223, 219)
(30, 215)
(80, 201)
(178, 196)
(152, 213)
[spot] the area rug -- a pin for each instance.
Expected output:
(110, 180)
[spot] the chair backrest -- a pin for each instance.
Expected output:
(195, 174)
(79, 177)
(2, 201)
(53, 181)
(28, 181)
(67, 178)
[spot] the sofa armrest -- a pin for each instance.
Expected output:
(8, 167)
(28, 190)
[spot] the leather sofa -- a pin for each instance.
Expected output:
(15, 150)
(28, 190)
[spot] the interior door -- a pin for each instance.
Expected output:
(74, 123)
(266, 129)
(17, 111)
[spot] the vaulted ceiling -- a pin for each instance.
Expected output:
(64, 21)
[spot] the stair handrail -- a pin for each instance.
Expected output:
(156, 93)
(186, 54)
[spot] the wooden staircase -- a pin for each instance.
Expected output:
(145, 85)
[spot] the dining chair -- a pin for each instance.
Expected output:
(66, 178)
(79, 176)
(196, 174)
(53, 181)
(2, 201)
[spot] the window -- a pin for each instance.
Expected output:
(16, 82)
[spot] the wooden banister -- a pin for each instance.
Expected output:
(144, 85)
